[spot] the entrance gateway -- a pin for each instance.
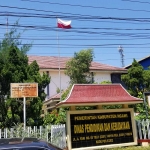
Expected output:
(100, 128)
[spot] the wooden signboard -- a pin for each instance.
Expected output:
(20, 90)
(96, 129)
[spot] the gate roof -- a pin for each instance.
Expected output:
(98, 94)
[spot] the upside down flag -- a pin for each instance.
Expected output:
(65, 24)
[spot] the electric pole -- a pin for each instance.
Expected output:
(120, 49)
(6, 25)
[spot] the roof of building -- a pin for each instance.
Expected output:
(126, 67)
(51, 62)
(55, 97)
(98, 94)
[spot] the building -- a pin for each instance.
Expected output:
(55, 67)
(145, 62)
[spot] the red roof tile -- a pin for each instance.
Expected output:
(55, 97)
(94, 94)
(51, 62)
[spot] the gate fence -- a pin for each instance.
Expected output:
(56, 134)
(143, 129)
(41, 132)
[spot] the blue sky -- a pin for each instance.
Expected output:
(102, 25)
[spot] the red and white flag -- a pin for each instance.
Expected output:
(65, 24)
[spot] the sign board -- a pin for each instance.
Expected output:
(95, 129)
(19, 90)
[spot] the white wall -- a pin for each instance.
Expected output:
(101, 76)
(55, 81)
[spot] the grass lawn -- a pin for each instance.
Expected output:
(129, 148)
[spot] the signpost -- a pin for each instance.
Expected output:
(101, 128)
(23, 90)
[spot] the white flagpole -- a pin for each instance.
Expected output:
(24, 113)
(59, 63)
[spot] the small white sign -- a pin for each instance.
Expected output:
(19, 90)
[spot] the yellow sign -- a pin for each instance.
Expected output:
(19, 90)
(91, 129)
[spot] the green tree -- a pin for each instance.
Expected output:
(137, 81)
(134, 79)
(14, 68)
(8, 49)
(106, 82)
(13, 38)
(55, 117)
(78, 68)
(35, 105)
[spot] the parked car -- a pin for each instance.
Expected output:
(26, 144)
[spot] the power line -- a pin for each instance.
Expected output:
(88, 45)
(94, 28)
(79, 17)
(74, 16)
(76, 39)
(56, 13)
(74, 47)
(122, 9)
(102, 32)
(135, 1)
(79, 31)
(91, 36)
(106, 53)
(13, 14)
(108, 21)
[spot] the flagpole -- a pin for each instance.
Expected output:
(65, 25)
(59, 63)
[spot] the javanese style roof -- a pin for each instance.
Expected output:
(96, 94)
(52, 62)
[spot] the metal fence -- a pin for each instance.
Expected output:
(16, 132)
(58, 135)
(143, 129)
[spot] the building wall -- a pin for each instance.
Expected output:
(100, 76)
(55, 82)
(145, 63)
(51, 89)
